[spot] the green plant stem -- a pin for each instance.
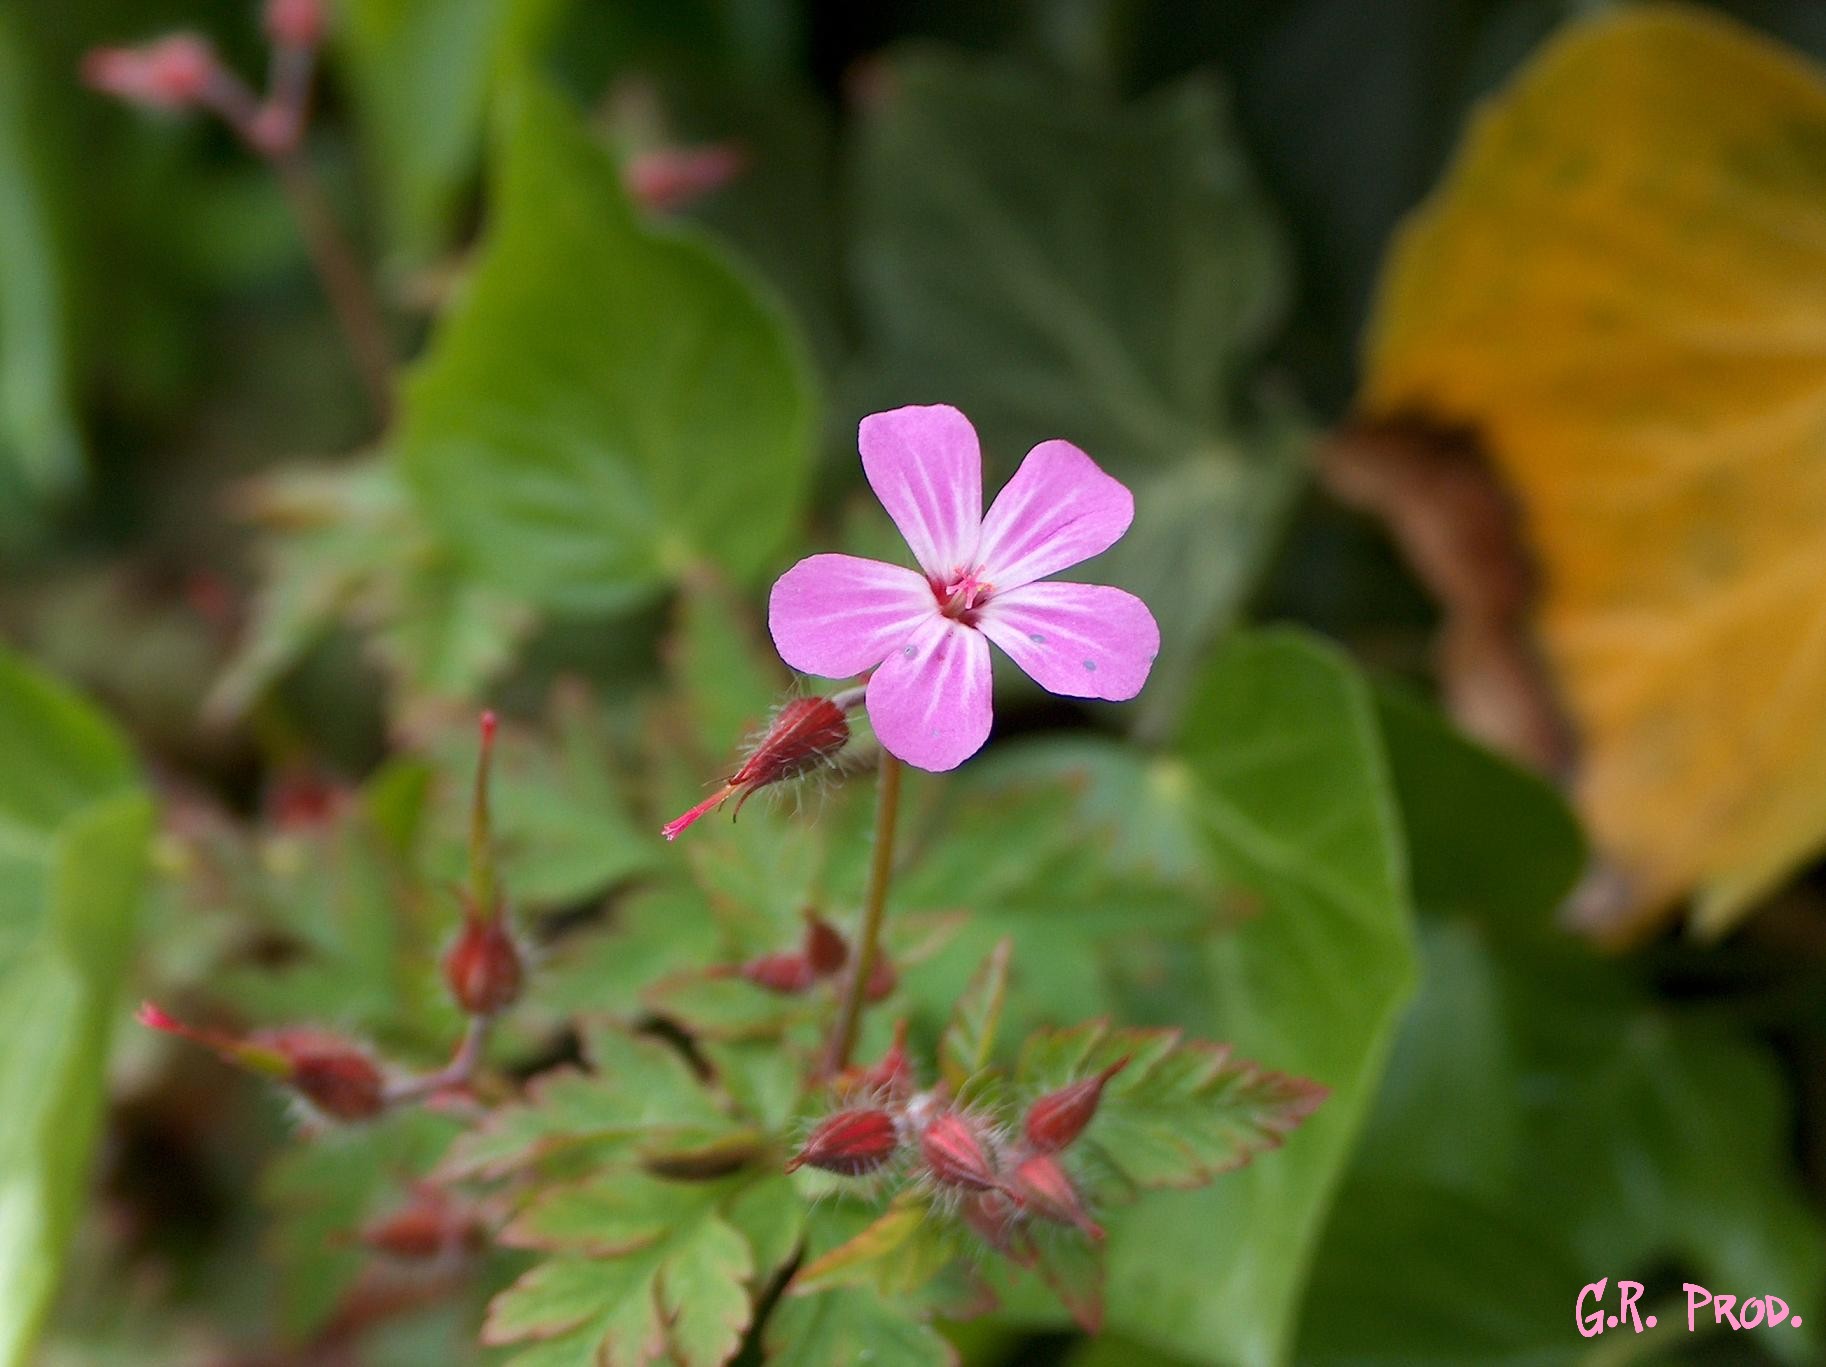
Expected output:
(874, 913)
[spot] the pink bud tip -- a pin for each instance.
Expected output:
(489, 722)
(153, 1018)
(670, 177)
(171, 73)
(295, 23)
(677, 826)
(825, 948)
(1058, 1118)
(788, 974)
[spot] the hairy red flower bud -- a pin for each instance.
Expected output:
(957, 1153)
(430, 1226)
(1040, 1186)
(668, 177)
(295, 23)
(335, 1076)
(789, 974)
(174, 72)
(825, 949)
(851, 1143)
(804, 734)
(1058, 1118)
(483, 968)
(892, 1073)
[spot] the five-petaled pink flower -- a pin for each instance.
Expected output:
(926, 634)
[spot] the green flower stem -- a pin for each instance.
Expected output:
(874, 912)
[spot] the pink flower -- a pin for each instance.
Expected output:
(926, 634)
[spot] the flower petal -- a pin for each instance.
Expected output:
(927, 469)
(929, 701)
(1058, 509)
(1079, 640)
(837, 615)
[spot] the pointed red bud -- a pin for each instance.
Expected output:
(1040, 1186)
(957, 1153)
(804, 735)
(295, 23)
(825, 949)
(892, 1073)
(483, 968)
(335, 1076)
(851, 1143)
(174, 72)
(788, 974)
(1058, 1118)
(992, 1214)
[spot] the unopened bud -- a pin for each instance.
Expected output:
(788, 974)
(804, 735)
(483, 968)
(172, 73)
(670, 177)
(850, 1143)
(825, 949)
(957, 1153)
(1040, 1186)
(1058, 1118)
(430, 1226)
(891, 1074)
(993, 1215)
(295, 23)
(335, 1076)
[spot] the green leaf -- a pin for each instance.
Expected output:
(670, 1274)
(967, 1046)
(896, 1254)
(854, 1325)
(73, 838)
(40, 444)
(609, 402)
(1291, 797)
(422, 73)
(1180, 1112)
(640, 1097)
(1059, 266)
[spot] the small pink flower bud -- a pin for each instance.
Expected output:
(1058, 1118)
(825, 949)
(430, 1226)
(851, 1143)
(1041, 1187)
(992, 1214)
(891, 1074)
(788, 974)
(670, 177)
(957, 1153)
(804, 734)
(174, 72)
(483, 969)
(295, 23)
(335, 1076)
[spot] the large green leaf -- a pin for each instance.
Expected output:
(1290, 792)
(73, 835)
(1059, 266)
(609, 403)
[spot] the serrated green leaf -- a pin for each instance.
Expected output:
(725, 1008)
(609, 402)
(768, 1213)
(73, 837)
(967, 1046)
(896, 1254)
(729, 679)
(853, 1325)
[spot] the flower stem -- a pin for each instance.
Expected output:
(874, 912)
(351, 296)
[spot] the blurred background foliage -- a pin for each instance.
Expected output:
(1153, 228)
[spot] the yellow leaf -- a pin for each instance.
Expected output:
(1621, 290)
